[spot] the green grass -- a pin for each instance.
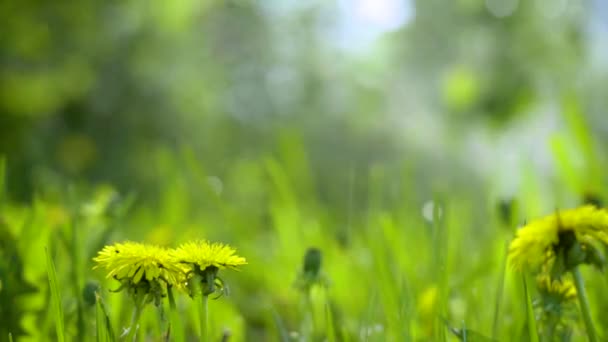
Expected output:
(104, 330)
(392, 273)
(530, 315)
(57, 311)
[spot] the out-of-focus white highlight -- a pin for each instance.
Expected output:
(502, 8)
(362, 21)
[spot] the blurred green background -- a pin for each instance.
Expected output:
(277, 125)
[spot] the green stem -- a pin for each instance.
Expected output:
(203, 316)
(550, 327)
(139, 305)
(311, 312)
(584, 303)
(172, 304)
(204, 283)
(175, 330)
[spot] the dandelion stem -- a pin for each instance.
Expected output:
(172, 313)
(171, 298)
(311, 312)
(203, 316)
(552, 321)
(584, 303)
(200, 291)
(139, 305)
(175, 331)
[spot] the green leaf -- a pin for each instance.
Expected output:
(55, 297)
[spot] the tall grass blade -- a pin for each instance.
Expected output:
(104, 325)
(464, 334)
(499, 291)
(2, 179)
(102, 332)
(531, 320)
(55, 297)
(283, 334)
(76, 277)
(441, 244)
(329, 324)
(176, 329)
(10, 337)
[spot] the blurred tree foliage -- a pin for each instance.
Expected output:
(93, 89)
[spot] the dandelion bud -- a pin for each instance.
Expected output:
(88, 292)
(312, 262)
(592, 198)
(506, 210)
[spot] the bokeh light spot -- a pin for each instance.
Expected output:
(502, 8)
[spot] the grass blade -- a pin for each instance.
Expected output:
(464, 334)
(102, 331)
(10, 337)
(532, 330)
(283, 334)
(55, 297)
(499, 291)
(105, 333)
(2, 179)
(176, 329)
(329, 324)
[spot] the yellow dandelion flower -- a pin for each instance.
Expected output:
(130, 262)
(538, 242)
(427, 303)
(563, 288)
(203, 254)
(204, 260)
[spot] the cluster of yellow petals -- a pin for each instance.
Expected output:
(562, 288)
(133, 261)
(205, 254)
(532, 246)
